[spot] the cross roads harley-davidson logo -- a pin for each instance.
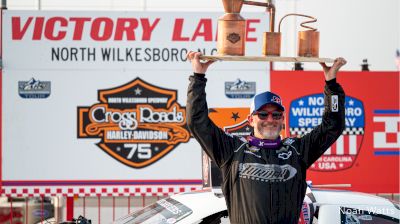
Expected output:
(138, 123)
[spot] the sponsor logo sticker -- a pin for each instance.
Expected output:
(138, 123)
(240, 89)
(34, 89)
(306, 113)
(334, 103)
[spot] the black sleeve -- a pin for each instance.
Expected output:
(216, 143)
(315, 143)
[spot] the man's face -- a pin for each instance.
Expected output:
(266, 122)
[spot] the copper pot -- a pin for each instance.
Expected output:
(231, 34)
(271, 44)
(308, 43)
(231, 29)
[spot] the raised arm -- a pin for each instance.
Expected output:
(218, 145)
(315, 143)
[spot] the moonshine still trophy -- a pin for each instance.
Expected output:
(231, 40)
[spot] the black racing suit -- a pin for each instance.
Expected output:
(263, 185)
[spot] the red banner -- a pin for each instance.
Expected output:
(367, 154)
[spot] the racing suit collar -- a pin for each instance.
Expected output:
(264, 143)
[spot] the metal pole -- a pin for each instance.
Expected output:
(39, 4)
(3, 4)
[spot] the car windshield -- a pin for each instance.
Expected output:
(163, 211)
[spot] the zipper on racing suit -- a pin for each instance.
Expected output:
(270, 208)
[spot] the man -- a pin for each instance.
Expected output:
(264, 176)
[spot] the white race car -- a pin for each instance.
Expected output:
(320, 206)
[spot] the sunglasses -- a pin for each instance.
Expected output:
(263, 115)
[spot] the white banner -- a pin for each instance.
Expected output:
(89, 121)
(114, 40)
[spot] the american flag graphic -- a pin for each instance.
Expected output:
(345, 145)
(342, 154)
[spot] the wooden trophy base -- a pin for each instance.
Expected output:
(266, 58)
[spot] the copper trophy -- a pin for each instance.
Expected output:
(232, 35)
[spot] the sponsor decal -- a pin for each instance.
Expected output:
(386, 132)
(334, 103)
(34, 89)
(306, 113)
(266, 172)
(138, 123)
(241, 129)
(240, 89)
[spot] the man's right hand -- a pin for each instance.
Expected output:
(198, 67)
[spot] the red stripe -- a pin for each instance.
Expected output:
(359, 141)
(1, 115)
(1, 99)
(70, 208)
(333, 149)
(346, 144)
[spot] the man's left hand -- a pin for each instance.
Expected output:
(330, 72)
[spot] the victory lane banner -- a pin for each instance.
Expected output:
(114, 40)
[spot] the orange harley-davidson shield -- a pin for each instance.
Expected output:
(138, 123)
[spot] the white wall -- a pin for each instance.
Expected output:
(354, 29)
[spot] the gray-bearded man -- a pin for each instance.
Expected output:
(264, 176)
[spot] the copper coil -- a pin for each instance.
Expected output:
(301, 24)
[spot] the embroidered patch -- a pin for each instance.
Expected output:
(285, 155)
(288, 141)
